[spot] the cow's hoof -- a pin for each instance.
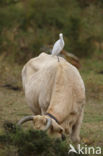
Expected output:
(75, 139)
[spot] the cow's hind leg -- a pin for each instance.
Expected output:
(75, 135)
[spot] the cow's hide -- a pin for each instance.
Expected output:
(57, 88)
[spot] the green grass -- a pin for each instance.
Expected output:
(91, 131)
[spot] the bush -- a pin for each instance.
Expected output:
(30, 142)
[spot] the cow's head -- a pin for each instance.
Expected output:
(45, 123)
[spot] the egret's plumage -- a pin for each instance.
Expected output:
(58, 46)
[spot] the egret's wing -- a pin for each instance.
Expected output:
(56, 47)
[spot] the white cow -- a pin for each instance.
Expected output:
(55, 93)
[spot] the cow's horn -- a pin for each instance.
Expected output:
(25, 119)
(49, 122)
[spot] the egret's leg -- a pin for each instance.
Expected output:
(58, 58)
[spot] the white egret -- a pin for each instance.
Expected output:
(58, 46)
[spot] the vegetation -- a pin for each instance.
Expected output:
(27, 26)
(31, 142)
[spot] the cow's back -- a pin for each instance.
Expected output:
(46, 82)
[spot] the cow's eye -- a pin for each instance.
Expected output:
(51, 128)
(45, 121)
(60, 131)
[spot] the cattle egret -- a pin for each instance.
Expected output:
(58, 46)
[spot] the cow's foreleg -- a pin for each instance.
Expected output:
(75, 135)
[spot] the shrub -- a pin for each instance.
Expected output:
(30, 142)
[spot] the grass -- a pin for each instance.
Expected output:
(13, 106)
(92, 126)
